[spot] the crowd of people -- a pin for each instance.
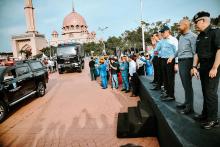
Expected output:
(124, 70)
(50, 64)
(190, 55)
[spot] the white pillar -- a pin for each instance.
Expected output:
(29, 14)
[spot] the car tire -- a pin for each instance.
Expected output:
(40, 89)
(3, 111)
(80, 68)
(83, 66)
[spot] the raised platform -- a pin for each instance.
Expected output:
(174, 129)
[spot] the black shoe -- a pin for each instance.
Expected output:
(127, 91)
(186, 110)
(200, 118)
(168, 98)
(123, 89)
(211, 124)
(181, 106)
(155, 88)
(152, 82)
(155, 84)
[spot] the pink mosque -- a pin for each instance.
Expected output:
(74, 29)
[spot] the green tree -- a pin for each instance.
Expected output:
(49, 51)
(27, 53)
(216, 21)
(114, 42)
(92, 46)
(174, 29)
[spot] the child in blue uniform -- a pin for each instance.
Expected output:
(103, 73)
(148, 65)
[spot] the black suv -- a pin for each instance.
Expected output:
(20, 81)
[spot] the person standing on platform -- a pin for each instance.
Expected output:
(103, 73)
(92, 69)
(160, 82)
(154, 40)
(208, 56)
(169, 48)
(124, 74)
(185, 53)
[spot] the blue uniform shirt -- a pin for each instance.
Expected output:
(124, 69)
(102, 69)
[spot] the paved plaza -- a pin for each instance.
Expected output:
(74, 112)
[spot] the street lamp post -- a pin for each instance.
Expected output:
(142, 25)
(102, 30)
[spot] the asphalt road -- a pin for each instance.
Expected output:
(74, 112)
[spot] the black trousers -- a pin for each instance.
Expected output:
(92, 74)
(160, 72)
(209, 90)
(141, 71)
(134, 84)
(185, 66)
(168, 76)
(156, 66)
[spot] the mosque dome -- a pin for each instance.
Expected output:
(74, 19)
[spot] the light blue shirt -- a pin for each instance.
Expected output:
(187, 45)
(168, 47)
(158, 46)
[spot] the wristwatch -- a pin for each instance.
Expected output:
(194, 66)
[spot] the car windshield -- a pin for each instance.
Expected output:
(66, 50)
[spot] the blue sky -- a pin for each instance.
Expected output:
(118, 15)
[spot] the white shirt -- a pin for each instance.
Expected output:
(132, 67)
(140, 63)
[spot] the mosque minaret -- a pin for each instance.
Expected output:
(31, 41)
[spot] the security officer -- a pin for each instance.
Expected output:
(208, 55)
